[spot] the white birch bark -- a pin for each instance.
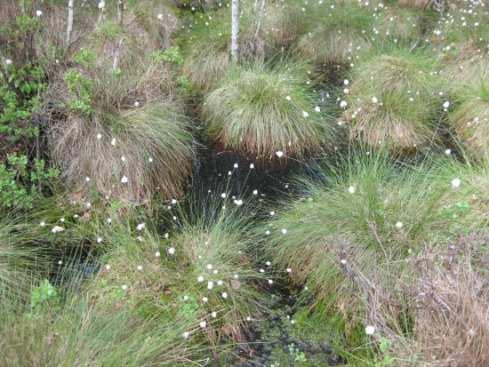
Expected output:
(69, 27)
(234, 30)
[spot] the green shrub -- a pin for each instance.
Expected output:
(20, 91)
(22, 185)
(45, 293)
(258, 112)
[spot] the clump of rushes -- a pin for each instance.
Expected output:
(206, 41)
(470, 119)
(393, 101)
(460, 36)
(79, 332)
(374, 207)
(139, 153)
(403, 25)
(259, 111)
(199, 273)
(463, 23)
(342, 32)
(353, 239)
(282, 25)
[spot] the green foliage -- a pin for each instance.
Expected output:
(20, 90)
(81, 89)
(385, 359)
(297, 354)
(85, 57)
(171, 55)
(259, 111)
(44, 294)
(110, 30)
(22, 185)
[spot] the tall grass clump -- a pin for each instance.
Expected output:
(373, 208)
(470, 119)
(144, 151)
(199, 273)
(22, 259)
(78, 332)
(393, 101)
(259, 111)
(120, 131)
(355, 239)
(341, 33)
(403, 25)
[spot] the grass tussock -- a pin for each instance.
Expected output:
(200, 273)
(369, 245)
(469, 119)
(78, 332)
(143, 152)
(258, 111)
(374, 207)
(22, 258)
(342, 33)
(393, 101)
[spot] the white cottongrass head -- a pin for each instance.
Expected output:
(57, 229)
(370, 330)
(456, 182)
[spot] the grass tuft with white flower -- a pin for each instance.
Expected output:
(469, 119)
(134, 156)
(200, 272)
(258, 111)
(355, 227)
(394, 101)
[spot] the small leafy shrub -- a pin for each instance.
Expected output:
(20, 92)
(22, 185)
(80, 88)
(172, 55)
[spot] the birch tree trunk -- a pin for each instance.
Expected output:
(234, 30)
(120, 11)
(69, 27)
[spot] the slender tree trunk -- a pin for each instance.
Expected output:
(120, 18)
(117, 53)
(259, 18)
(234, 30)
(69, 27)
(120, 11)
